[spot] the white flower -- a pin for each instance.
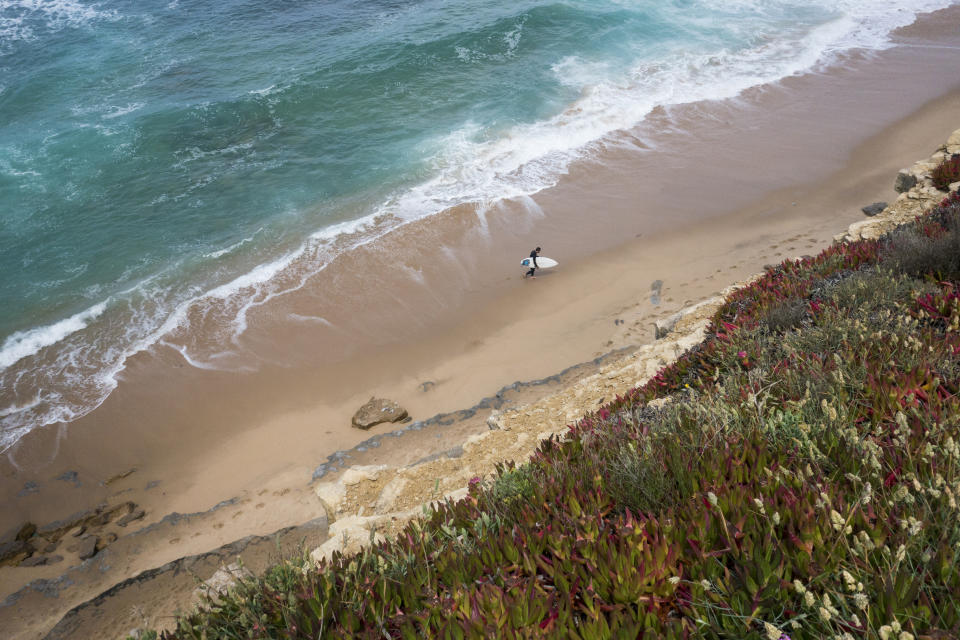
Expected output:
(772, 632)
(798, 587)
(674, 579)
(712, 498)
(861, 600)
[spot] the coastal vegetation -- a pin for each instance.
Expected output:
(947, 172)
(796, 475)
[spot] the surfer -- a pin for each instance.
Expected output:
(533, 258)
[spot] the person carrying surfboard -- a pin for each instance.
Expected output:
(533, 258)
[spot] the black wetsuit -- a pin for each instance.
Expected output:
(533, 255)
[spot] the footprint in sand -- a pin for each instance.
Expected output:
(262, 491)
(237, 514)
(261, 505)
(282, 492)
(174, 540)
(219, 525)
(655, 289)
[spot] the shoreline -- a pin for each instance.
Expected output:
(276, 445)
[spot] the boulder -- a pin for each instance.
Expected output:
(874, 209)
(87, 547)
(378, 410)
(905, 181)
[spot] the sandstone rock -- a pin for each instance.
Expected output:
(874, 209)
(663, 327)
(905, 181)
(348, 535)
(953, 186)
(87, 547)
(387, 501)
(26, 531)
(223, 579)
(361, 473)
(136, 514)
(953, 142)
(378, 410)
(12, 553)
(331, 494)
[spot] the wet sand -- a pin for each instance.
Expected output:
(697, 198)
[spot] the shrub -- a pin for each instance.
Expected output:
(926, 252)
(947, 172)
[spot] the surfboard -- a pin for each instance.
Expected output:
(542, 262)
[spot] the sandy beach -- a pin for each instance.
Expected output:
(437, 317)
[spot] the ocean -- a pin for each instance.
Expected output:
(171, 165)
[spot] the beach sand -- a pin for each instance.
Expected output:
(437, 316)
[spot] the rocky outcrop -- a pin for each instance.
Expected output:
(376, 411)
(98, 516)
(914, 200)
(367, 503)
(13, 552)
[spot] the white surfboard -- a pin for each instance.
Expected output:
(542, 262)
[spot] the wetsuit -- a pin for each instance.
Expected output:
(533, 255)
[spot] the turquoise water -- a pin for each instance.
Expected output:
(163, 159)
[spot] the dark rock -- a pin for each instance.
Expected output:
(426, 386)
(378, 410)
(136, 514)
(11, 553)
(51, 546)
(26, 531)
(88, 547)
(35, 561)
(904, 182)
(874, 209)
